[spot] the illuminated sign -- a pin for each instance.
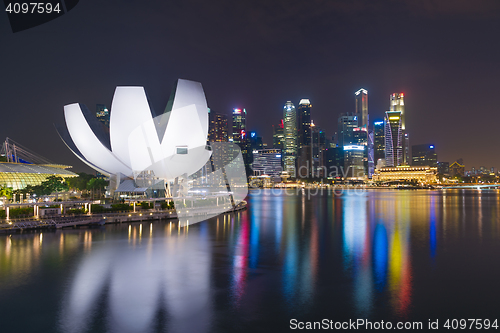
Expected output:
(431, 147)
(393, 118)
(354, 147)
(279, 155)
(378, 123)
(252, 134)
(237, 110)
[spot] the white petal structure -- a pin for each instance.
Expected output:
(171, 145)
(163, 154)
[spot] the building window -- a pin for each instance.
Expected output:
(182, 150)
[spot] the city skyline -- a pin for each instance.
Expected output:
(429, 51)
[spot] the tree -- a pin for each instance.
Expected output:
(80, 183)
(50, 185)
(55, 184)
(96, 184)
(5, 192)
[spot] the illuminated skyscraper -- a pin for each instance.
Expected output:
(267, 162)
(361, 99)
(393, 138)
(304, 123)
(424, 155)
(378, 141)
(240, 137)
(354, 165)
(278, 136)
(239, 125)
(346, 124)
(290, 136)
(218, 129)
(397, 103)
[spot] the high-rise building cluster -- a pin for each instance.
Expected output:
(301, 148)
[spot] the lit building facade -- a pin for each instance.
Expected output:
(278, 136)
(239, 125)
(421, 174)
(354, 161)
(361, 105)
(267, 162)
(255, 141)
(218, 129)
(20, 167)
(290, 134)
(397, 103)
(304, 123)
(378, 141)
(424, 155)
(240, 137)
(347, 122)
(393, 134)
(19, 175)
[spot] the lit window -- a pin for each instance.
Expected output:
(182, 150)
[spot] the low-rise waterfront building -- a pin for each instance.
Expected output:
(422, 174)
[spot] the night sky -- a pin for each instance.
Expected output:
(444, 55)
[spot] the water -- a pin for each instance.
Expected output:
(376, 255)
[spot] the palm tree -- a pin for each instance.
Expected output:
(5, 193)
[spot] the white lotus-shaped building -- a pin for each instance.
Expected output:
(143, 150)
(170, 145)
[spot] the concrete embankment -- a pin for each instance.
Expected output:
(60, 222)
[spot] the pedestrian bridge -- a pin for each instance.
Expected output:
(474, 186)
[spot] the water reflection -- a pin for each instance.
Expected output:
(358, 254)
(131, 286)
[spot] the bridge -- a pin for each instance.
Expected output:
(473, 186)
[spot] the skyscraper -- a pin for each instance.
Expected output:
(255, 141)
(346, 124)
(393, 138)
(304, 122)
(424, 155)
(239, 125)
(354, 166)
(378, 141)
(397, 103)
(218, 129)
(361, 111)
(290, 136)
(240, 137)
(267, 162)
(278, 136)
